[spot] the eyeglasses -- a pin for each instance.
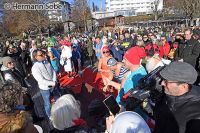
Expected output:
(167, 82)
(106, 52)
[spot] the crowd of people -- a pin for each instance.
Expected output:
(122, 60)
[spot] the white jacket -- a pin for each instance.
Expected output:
(44, 74)
(66, 52)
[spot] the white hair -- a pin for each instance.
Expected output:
(64, 111)
(150, 65)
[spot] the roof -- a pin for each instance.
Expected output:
(110, 17)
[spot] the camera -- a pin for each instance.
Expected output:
(147, 86)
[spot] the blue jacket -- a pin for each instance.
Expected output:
(117, 52)
(55, 64)
(98, 47)
(55, 53)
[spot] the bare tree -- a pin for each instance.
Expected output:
(155, 10)
(81, 13)
(189, 8)
(18, 21)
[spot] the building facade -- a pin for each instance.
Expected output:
(139, 6)
(105, 14)
(60, 15)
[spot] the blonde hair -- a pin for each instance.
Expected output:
(16, 122)
(64, 111)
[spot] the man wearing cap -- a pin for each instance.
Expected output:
(181, 103)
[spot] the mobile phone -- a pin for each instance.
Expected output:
(112, 105)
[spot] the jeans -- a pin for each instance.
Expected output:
(46, 97)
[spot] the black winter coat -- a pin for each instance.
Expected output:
(188, 51)
(172, 114)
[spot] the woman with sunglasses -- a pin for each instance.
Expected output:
(102, 66)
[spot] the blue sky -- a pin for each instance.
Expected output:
(97, 2)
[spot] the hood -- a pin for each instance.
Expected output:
(132, 123)
(3, 68)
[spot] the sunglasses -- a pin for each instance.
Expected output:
(106, 52)
(41, 55)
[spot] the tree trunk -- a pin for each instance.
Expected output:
(156, 16)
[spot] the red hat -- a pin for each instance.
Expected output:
(151, 49)
(65, 43)
(105, 48)
(134, 55)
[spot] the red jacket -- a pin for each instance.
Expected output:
(164, 50)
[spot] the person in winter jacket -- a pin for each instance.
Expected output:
(164, 48)
(46, 77)
(179, 106)
(189, 50)
(10, 73)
